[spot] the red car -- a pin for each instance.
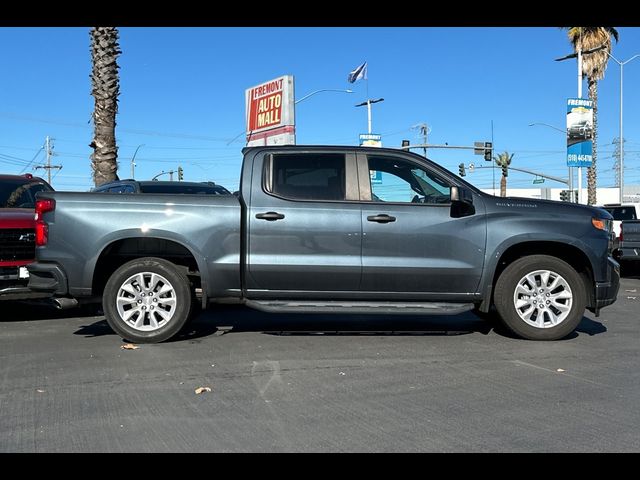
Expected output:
(17, 232)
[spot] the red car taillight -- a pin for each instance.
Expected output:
(42, 229)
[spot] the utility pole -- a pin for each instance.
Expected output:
(48, 148)
(424, 131)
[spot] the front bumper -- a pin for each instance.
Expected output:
(48, 278)
(607, 292)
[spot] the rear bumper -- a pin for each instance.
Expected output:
(607, 292)
(627, 253)
(20, 292)
(47, 278)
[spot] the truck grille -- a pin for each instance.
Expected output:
(17, 244)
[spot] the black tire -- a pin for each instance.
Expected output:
(171, 309)
(505, 291)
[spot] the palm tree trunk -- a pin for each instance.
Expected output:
(592, 172)
(105, 88)
(503, 186)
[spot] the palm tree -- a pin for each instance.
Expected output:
(105, 87)
(593, 67)
(503, 160)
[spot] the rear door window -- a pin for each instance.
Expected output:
(308, 176)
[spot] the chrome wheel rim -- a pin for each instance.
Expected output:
(146, 301)
(543, 299)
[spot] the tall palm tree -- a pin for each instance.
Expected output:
(593, 67)
(105, 88)
(503, 160)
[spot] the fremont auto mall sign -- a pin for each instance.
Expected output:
(270, 112)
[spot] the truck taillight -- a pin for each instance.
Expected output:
(42, 229)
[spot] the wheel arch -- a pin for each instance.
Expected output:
(570, 254)
(122, 250)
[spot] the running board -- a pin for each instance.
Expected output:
(314, 306)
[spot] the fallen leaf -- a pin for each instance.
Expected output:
(200, 390)
(39, 390)
(560, 370)
(129, 346)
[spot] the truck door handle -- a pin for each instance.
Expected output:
(381, 218)
(270, 216)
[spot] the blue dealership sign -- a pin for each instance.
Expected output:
(579, 132)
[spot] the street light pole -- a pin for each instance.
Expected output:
(564, 132)
(133, 165)
(622, 64)
(368, 103)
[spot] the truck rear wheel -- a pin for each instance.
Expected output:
(147, 300)
(540, 297)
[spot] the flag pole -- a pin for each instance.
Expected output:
(366, 78)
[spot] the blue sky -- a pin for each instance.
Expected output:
(182, 96)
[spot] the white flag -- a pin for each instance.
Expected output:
(358, 74)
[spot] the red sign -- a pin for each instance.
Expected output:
(265, 105)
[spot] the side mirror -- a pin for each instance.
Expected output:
(461, 195)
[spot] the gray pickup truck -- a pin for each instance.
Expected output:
(628, 251)
(327, 229)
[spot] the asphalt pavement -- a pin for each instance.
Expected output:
(319, 383)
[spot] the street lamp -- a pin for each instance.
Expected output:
(564, 132)
(133, 165)
(550, 126)
(322, 90)
(368, 103)
(622, 64)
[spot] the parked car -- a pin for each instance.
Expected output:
(17, 232)
(162, 186)
(310, 232)
(628, 251)
(620, 213)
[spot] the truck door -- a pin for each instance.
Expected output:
(304, 225)
(411, 244)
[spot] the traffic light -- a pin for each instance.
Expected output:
(461, 171)
(564, 195)
(488, 151)
(505, 171)
(405, 143)
(180, 174)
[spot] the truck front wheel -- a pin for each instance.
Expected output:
(147, 300)
(540, 297)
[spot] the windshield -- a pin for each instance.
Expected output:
(19, 194)
(622, 213)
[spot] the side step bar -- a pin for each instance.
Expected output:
(394, 308)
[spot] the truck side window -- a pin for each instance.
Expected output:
(309, 176)
(399, 181)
